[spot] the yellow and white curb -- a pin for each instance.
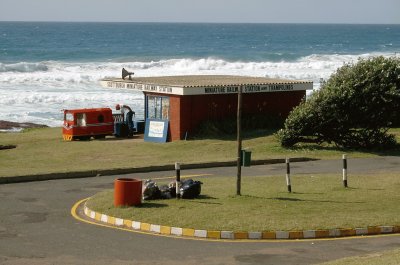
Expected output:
(234, 235)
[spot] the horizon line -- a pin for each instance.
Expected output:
(196, 22)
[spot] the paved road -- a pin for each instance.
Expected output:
(36, 227)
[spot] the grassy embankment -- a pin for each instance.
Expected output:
(317, 202)
(42, 151)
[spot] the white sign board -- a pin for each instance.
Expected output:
(156, 129)
(231, 89)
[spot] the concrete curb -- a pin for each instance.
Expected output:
(120, 171)
(237, 235)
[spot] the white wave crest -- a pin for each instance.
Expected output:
(61, 74)
(36, 92)
(23, 67)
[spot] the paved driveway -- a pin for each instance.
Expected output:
(36, 227)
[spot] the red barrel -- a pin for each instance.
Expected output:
(127, 192)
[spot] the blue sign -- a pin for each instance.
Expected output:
(156, 130)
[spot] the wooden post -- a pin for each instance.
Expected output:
(288, 182)
(344, 157)
(239, 142)
(178, 179)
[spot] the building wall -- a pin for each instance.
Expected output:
(188, 112)
(175, 118)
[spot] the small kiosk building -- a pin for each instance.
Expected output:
(176, 105)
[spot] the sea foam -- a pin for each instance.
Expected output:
(37, 92)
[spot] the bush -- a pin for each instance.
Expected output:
(354, 107)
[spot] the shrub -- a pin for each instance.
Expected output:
(354, 107)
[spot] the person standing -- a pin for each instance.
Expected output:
(127, 114)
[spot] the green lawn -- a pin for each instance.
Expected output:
(317, 202)
(42, 151)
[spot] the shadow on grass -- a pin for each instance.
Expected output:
(312, 193)
(107, 139)
(5, 147)
(205, 197)
(301, 200)
(261, 197)
(347, 188)
(157, 204)
(288, 199)
(202, 202)
(200, 199)
(150, 205)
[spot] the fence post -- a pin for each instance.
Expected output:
(289, 185)
(344, 157)
(178, 179)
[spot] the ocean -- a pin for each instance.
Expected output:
(47, 67)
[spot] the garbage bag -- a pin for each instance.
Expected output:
(151, 191)
(172, 188)
(168, 191)
(190, 189)
(165, 193)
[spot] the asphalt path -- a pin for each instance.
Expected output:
(36, 226)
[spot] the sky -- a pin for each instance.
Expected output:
(209, 11)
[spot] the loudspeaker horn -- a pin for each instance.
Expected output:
(126, 73)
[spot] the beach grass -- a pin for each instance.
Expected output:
(316, 202)
(42, 150)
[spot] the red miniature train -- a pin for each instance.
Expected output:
(82, 124)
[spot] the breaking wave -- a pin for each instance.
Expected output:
(36, 92)
(23, 67)
(312, 67)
